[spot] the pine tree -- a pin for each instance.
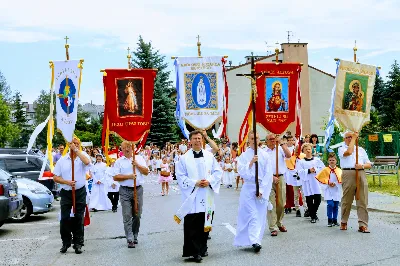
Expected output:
(5, 90)
(20, 120)
(391, 98)
(379, 91)
(163, 123)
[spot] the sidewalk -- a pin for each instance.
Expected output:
(382, 202)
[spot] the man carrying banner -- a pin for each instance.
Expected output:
(347, 155)
(122, 171)
(63, 175)
(278, 192)
(252, 209)
(199, 175)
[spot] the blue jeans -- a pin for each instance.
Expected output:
(332, 209)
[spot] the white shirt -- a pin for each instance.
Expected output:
(281, 162)
(63, 169)
(183, 148)
(123, 166)
(350, 161)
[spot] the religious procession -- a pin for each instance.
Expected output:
(252, 178)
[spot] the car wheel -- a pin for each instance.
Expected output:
(25, 212)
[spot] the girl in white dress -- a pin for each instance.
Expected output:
(165, 176)
(228, 173)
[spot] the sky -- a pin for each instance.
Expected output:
(32, 33)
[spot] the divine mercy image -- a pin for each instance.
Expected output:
(130, 97)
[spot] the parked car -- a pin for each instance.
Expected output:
(10, 201)
(20, 151)
(37, 199)
(28, 166)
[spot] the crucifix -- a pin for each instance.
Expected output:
(253, 76)
(198, 46)
(129, 58)
(66, 47)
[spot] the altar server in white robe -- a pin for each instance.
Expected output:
(113, 188)
(307, 169)
(252, 218)
(199, 175)
(99, 200)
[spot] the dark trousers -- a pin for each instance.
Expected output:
(114, 198)
(195, 239)
(332, 210)
(313, 203)
(71, 228)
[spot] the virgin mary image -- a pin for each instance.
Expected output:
(201, 92)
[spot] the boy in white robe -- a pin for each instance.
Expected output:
(252, 209)
(331, 179)
(199, 175)
(307, 169)
(113, 188)
(98, 198)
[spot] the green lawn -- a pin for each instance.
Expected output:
(389, 185)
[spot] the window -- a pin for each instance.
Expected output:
(20, 165)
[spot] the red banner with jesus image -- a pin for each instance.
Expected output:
(276, 95)
(128, 103)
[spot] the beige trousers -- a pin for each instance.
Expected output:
(349, 192)
(297, 190)
(275, 215)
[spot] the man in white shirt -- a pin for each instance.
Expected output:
(278, 191)
(71, 228)
(183, 147)
(123, 173)
(347, 155)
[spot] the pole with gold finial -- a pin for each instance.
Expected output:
(355, 51)
(66, 47)
(198, 46)
(129, 58)
(277, 53)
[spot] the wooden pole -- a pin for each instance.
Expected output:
(277, 170)
(357, 174)
(135, 197)
(66, 47)
(253, 106)
(72, 153)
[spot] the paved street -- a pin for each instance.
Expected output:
(37, 242)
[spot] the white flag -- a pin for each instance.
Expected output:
(66, 87)
(200, 86)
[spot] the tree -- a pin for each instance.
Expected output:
(391, 98)
(379, 92)
(8, 130)
(5, 90)
(19, 115)
(163, 124)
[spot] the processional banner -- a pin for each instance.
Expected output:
(277, 94)
(67, 81)
(128, 108)
(201, 92)
(353, 94)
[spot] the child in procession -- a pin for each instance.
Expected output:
(228, 173)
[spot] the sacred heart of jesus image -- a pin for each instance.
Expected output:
(66, 95)
(201, 90)
(277, 94)
(130, 97)
(355, 87)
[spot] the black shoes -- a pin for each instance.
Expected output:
(131, 244)
(306, 214)
(208, 237)
(205, 254)
(197, 258)
(329, 222)
(135, 241)
(335, 223)
(256, 247)
(114, 209)
(313, 221)
(78, 249)
(298, 213)
(64, 248)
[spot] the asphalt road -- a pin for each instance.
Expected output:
(37, 242)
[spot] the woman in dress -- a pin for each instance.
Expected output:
(228, 173)
(165, 176)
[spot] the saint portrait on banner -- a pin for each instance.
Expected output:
(130, 97)
(354, 92)
(276, 92)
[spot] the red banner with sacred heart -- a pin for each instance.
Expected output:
(128, 96)
(277, 95)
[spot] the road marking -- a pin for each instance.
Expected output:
(42, 238)
(230, 228)
(35, 223)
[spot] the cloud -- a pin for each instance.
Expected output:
(172, 25)
(17, 36)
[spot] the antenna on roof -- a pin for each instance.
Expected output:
(289, 34)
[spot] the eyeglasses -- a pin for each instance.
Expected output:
(272, 139)
(349, 137)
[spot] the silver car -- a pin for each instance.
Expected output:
(37, 199)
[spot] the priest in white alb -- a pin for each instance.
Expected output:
(199, 175)
(99, 200)
(252, 215)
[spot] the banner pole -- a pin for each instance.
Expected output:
(357, 173)
(277, 169)
(73, 179)
(135, 197)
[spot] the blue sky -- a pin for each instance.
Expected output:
(32, 32)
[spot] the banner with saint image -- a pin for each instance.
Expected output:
(353, 94)
(201, 92)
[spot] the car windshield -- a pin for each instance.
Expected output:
(24, 165)
(4, 175)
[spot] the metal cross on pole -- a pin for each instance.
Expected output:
(66, 47)
(253, 76)
(129, 58)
